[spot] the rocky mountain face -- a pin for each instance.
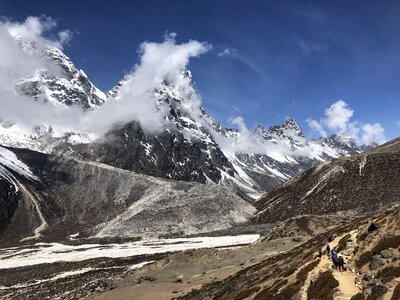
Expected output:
(197, 148)
(61, 83)
(362, 182)
(192, 146)
(52, 196)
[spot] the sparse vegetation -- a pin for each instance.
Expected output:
(278, 284)
(267, 294)
(364, 259)
(289, 272)
(392, 242)
(396, 292)
(389, 273)
(323, 287)
(246, 293)
(290, 290)
(358, 296)
(286, 293)
(302, 274)
(362, 236)
(303, 223)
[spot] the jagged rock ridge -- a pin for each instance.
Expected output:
(195, 147)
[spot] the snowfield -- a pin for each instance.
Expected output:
(10, 160)
(46, 253)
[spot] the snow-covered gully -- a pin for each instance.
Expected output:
(43, 225)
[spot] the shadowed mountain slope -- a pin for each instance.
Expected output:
(363, 182)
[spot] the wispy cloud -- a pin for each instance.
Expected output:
(246, 61)
(317, 127)
(33, 29)
(309, 47)
(225, 52)
(310, 13)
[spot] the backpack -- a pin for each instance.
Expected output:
(334, 255)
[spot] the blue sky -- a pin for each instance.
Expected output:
(280, 58)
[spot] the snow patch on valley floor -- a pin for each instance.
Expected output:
(72, 273)
(46, 253)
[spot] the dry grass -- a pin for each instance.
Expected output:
(246, 293)
(358, 296)
(389, 273)
(323, 287)
(302, 274)
(364, 259)
(362, 236)
(393, 242)
(396, 292)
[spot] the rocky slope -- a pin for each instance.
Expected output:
(50, 197)
(372, 267)
(196, 147)
(362, 182)
(61, 83)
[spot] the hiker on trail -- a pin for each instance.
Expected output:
(334, 257)
(328, 249)
(340, 263)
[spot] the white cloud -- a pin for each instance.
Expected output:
(65, 37)
(244, 141)
(338, 116)
(316, 126)
(159, 62)
(338, 120)
(226, 52)
(246, 61)
(309, 48)
(33, 28)
(16, 63)
(373, 133)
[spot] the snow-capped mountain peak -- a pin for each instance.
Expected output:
(61, 82)
(193, 146)
(288, 128)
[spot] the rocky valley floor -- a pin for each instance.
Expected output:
(283, 264)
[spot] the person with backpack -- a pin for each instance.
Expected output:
(340, 263)
(334, 257)
(328, 249)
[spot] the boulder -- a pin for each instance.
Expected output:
(379, 290)
(367, 277)
(349, 244)
(387, 254)
(277, 271)
(376, 262)
(372, 228)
